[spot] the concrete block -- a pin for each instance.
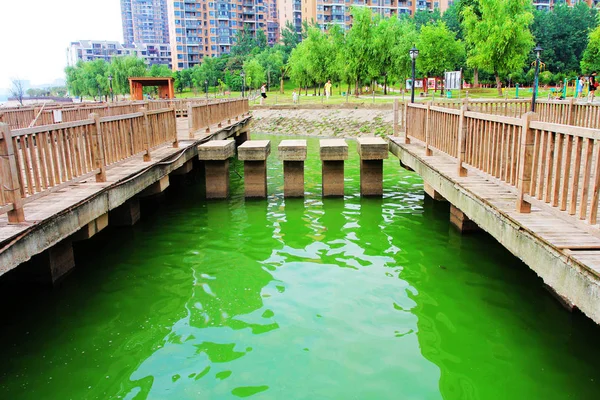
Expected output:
(53, 264)
(461, 221)
(184, 169)
(217, 178)
(157, 187)
(91, 228)
(372, 148)
(216, 150)
(431, 192)
(292, 150)
(254, 150)
(333, 178)
(255, 178)
(126, 214)
(371, 177)
(293, 178)
(333, 149)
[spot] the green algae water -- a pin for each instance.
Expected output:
(309, 298)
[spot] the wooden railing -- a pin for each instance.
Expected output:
(555, 164)
(18, 118)
(566, 112)
(202, 116)
(39, 160)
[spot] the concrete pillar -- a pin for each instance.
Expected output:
(461, 221)
(156, 188)
(293, 154)
(91, 228)
(184, 169)
(254, 153)
(333, 153)
(53, 264)
(431, 192)
(216, 154)
(126, 214)
(241, 137)
(372, 152)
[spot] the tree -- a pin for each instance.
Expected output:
(261, 39)
(271, 60)
(563, 34)
(244, 42)
(318, 55)
(255, 73)
(289, 37)
(387, 34)
(160, 70)
(424, 17)
(407, 37)
(451, 18)
(358, 45)
(591, 56)
(18, 90)
(439, 51)
(499, 41)
(298, 69)
(121, 69)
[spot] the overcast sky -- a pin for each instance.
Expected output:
(34, 34)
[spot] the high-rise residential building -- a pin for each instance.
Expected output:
(208, 28)
(290, 11)
(91, 50)
(145, 21)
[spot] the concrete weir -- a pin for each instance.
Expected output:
(333, 153)
(293, 154)
(372, 152)
(254, 153)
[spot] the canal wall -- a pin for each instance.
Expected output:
(318, 120)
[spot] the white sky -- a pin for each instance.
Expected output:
(35, 34)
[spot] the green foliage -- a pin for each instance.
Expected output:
(424, 17)
(439, 50)
(563, 34)
(255, 73)
(289, 37)
(500, 40)
(160, 70)
(358, 45)
(591, 56)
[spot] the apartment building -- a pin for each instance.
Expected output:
(90, 50)
(549, 4)
(144, 21)
(208, 28)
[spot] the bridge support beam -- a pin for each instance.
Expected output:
(431, 192)
(242, 137)
(53, 264)
(184, 169)
(91, 228)
(461, 221)
(372, 152)
(215, 155)
(293, 154)
(254, 153)
(333, 154)
(156, 188)
(127, 214)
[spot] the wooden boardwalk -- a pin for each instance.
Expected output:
(562, 249)
(45, 212)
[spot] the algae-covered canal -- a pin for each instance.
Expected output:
(296, 299)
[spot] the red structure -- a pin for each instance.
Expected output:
(165, 87)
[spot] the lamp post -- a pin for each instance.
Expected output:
(206, 88)
(243, 75)
(112, 98)
(537, 50)
(414, 53)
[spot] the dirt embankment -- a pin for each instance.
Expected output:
(341, 122)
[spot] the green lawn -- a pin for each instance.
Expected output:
(274, 97)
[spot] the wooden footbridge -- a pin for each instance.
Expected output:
(531, 180)
(59, 181)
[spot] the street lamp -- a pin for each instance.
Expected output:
(110, 78)
(537, 50)
(414, 53)
(243, 75)
(206, 88)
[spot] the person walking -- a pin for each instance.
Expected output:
(263, 93)
(579, 88)
(295, 97)
(593, 86)
(328, 89)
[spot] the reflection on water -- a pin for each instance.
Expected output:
(297, 299)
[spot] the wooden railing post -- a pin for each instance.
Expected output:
(146, 133)
(10, 176)
(98, 148)
(571, 112)
(525, 163)
(462, 141)
(174, 127)
(190, 116)
(428, 151)
(396, 128)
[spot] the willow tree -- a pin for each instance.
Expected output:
(591, 56)
(439, 50)
(499, 40)
(359, 45)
